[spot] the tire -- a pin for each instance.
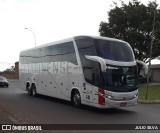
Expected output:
(34, 93)
(76, 98)
(7, 86)
(29, 90)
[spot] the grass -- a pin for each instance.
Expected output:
(153, 92)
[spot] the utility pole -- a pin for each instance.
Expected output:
(150, 57)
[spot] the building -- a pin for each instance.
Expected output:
(155, 72)
(12, 75)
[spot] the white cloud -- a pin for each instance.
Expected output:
(50, 20)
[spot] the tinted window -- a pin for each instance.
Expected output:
(91, 69)
(21, 58)
(28, 56)
(57, 49)
(57, 52)
(68, 48)
(86, 46)
(37, 55)
(114, 50)
(120, 79)
(46, 54)
(92, 73)
(69, 53)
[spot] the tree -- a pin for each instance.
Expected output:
(10, 70)
(134, 23)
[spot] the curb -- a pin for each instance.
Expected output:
(149, 101)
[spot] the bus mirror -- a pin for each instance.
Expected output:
(98, 59)
(141, 65)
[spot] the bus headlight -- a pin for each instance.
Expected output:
(136, 95)
(109, 97)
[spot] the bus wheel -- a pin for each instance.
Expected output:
(34, 93)
(76, 98)
(29, 91)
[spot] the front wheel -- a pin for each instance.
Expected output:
(76, 98)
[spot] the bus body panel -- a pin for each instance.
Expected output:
(59, 78)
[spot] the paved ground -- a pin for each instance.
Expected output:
(17, 107)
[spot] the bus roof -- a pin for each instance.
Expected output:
(72, 39)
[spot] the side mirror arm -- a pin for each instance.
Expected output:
(143, 65)
(98, 59)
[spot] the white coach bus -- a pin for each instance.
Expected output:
(95, 71)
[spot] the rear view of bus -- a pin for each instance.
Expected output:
(110, 72)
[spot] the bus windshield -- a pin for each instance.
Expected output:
(120, 79)
(114, 50)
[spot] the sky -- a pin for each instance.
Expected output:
(49, 20)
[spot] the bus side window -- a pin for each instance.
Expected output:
(92, 73)
(57, 51)
(69, 54)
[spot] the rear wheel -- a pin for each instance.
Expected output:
(76, 98)
(29, 90)
(34, 93)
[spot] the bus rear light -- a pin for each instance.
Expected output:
(101, 96)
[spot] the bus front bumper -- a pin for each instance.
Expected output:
(116, 104)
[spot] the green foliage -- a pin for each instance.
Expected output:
(134, 23)
(153, 93)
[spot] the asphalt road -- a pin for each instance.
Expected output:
(23, 108)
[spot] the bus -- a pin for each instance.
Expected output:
(91, 70)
